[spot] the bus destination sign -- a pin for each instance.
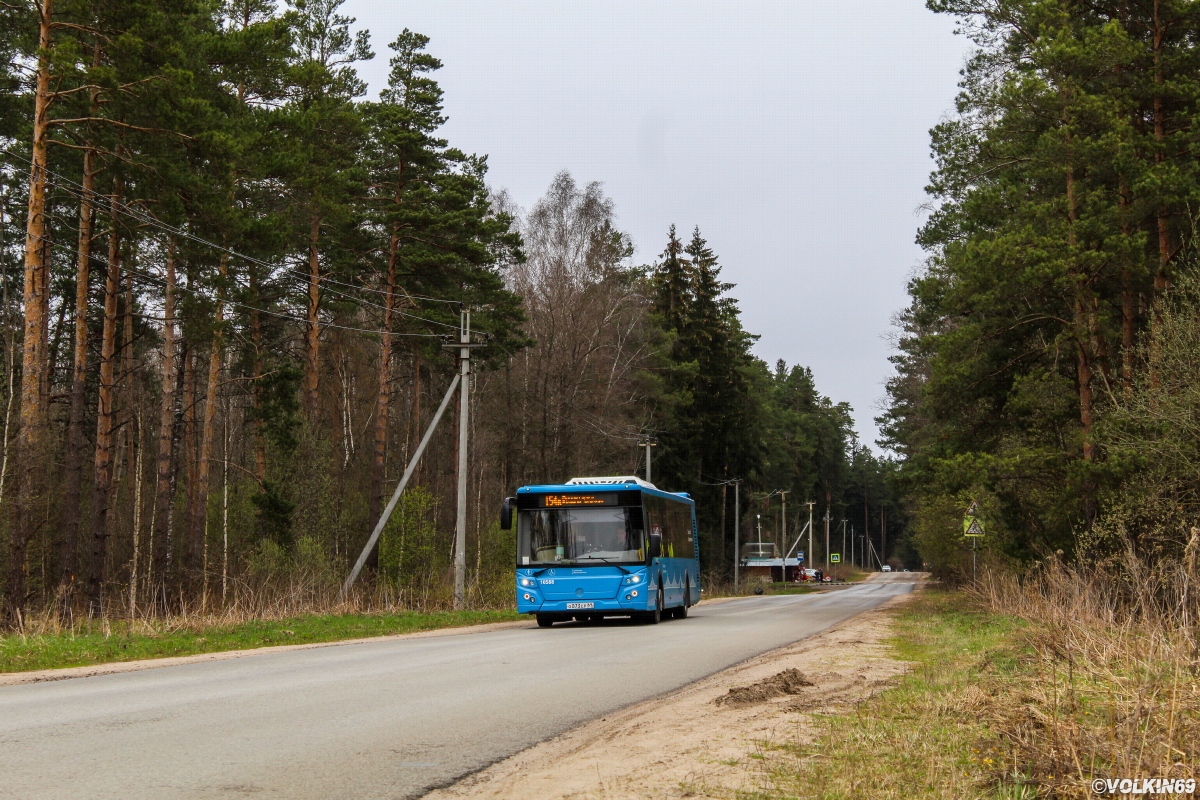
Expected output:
(575, 500)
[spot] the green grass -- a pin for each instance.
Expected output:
(927, 735)
(51, 651)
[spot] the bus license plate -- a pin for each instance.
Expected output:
(573, 606)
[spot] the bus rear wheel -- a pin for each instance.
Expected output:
(681, 611)
(545, 620)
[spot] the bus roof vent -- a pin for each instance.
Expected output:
(610, 480)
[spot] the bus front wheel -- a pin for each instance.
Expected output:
(655, 616)
(545, 620)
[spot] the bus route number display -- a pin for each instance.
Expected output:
(576, 500)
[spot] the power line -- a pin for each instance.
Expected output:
(148, 278)
(80, 192)
(152, 222)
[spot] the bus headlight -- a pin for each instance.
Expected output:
(634, 579)
(528, 582)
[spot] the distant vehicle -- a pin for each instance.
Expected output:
(886, 568)
(906, 569)
(598, 547)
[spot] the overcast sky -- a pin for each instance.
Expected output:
(794, 133)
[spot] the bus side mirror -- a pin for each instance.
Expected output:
(506, 512)
(655, 545)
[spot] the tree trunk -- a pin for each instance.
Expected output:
(416, 412)
(1128, 309)
(1081, 326)
(1084, 363)
(1099, 342)
(1162, 277)
(176, 433)
(1082, 337)
(36, 303)
(104, 417)
(75, 438)
(260, 444)
(385, 375)
(166, 418)
(312, 331)
(199, 522)
(191, 556)
(137, 521)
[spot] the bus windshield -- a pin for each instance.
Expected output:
(579, 536)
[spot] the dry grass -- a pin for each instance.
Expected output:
(297, 593)
(295, 608)
(1022, 686)
(924, 736)
(1109, 684)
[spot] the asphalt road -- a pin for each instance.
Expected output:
(385, 719)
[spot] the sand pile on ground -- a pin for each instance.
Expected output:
(790, 681)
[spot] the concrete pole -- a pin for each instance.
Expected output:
(783, 522)
(737, 533)
(827, 536)
(842, 565)
(648, 443)
(387, 511)
(460, 538)
(808, 558)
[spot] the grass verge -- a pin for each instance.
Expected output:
(110, 642)
(924, 737)
(999, 703)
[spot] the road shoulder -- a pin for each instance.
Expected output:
(706, 739)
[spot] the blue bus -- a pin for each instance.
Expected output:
(604, 547)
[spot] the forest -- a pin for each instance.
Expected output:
(229, 277)
(1048, 360)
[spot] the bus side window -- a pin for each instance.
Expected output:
(681, 529)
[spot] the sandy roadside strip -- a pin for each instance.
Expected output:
(686, 744)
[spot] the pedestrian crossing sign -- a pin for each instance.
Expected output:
(835, 558)
(974, 528)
